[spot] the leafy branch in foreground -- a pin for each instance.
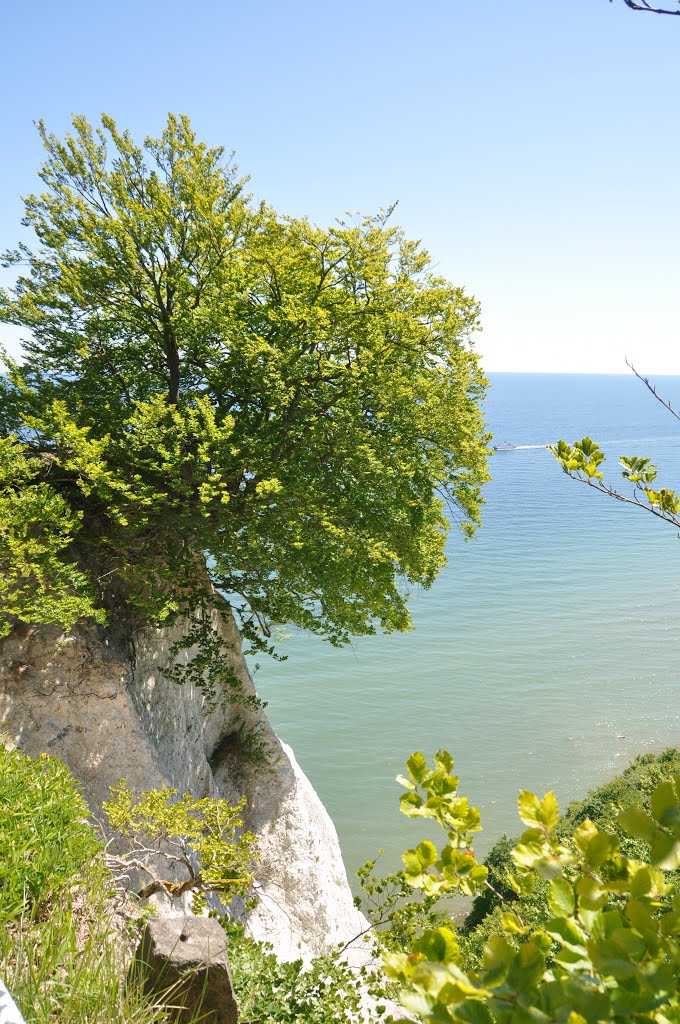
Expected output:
(201, 842)
(609, 949)
(403, 904)
(582, 462)
(583, 459)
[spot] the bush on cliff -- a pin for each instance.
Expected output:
(61, 956)
(64, 945)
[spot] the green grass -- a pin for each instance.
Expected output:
(63, 955)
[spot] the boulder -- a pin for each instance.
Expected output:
(183, 961)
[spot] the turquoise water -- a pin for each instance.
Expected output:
(546, 656)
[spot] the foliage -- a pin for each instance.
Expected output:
(397, 912)
(270, 991)
(633, 788)
(201, 840)
(609, 947)
(230, 401)
(208, 664)
(583, 459)
(38, 580)
(44, 838)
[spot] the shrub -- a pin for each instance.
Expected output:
(271, 991)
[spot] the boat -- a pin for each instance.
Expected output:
(504, 446)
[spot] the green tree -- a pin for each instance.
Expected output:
(216, 398)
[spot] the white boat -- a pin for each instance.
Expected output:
(504, 446)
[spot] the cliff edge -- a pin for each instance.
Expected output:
(108, 711)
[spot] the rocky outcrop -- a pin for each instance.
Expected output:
(184, 961)
(108, 710)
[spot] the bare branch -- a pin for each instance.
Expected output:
(603, 489)
(645, 380)
(644, 6)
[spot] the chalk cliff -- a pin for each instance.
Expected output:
(109, 712)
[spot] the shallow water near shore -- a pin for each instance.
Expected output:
(546, 656)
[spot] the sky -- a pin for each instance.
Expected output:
(531, 146)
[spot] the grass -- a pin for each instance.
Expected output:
(64, 949)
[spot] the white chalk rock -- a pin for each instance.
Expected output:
(107, 710)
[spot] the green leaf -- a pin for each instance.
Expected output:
(665, 852)
(410, 804)
(599, 849)
(548, 812)
(665, 805)
(427, 853)
(472, 1011)
(512, 925)
(439, 946)
(444, 761)
(527, 968)
(561, 899)
(638, 823)
(412, 863)
(528, 807)
(417, 766)
(498, 957)
(567, 933)
(591, 894)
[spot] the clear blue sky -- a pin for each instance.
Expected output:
(532, 146)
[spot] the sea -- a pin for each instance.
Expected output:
(546, 655)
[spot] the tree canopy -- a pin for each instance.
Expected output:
(214, 398)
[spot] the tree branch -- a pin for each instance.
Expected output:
(650, 387)
(604, 489)
(644, 6)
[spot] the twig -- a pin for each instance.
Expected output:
(644, 6)
(645, 380)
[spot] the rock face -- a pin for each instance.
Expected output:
(109, 712)
(184, 960)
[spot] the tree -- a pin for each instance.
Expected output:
(217, 400)
(201, 841)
